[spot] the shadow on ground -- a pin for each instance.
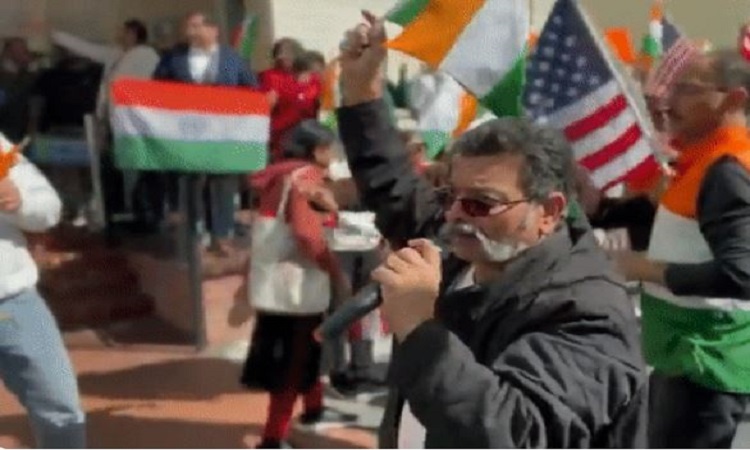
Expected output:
(188, 379)
(113, 428)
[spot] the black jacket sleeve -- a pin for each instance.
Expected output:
(163, 70)
(522, 400)
(403, 203)
(724, 216)
(245, 75)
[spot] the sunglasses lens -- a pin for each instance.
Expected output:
(470, 207)
(475, 208)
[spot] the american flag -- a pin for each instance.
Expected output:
(572, 87)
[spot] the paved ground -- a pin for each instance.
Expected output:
(140, 396)
(146, 396)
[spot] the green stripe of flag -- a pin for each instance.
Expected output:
(143, 153)
(435, 141)
(505, 99)
(707, 346)
(246, 45)
(651, 46)
(406, 11)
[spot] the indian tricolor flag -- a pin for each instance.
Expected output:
(189, 128)
(331, 95)
(444, 110)
(480, 43)
(653, 46)
(701, 338)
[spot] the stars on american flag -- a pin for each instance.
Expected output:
(560, 70)
(572, 87)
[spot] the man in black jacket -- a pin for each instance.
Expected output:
(523, 337)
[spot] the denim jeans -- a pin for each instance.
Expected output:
(221, 192)
(35, 367)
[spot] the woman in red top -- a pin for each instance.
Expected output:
(295, 94)
(284, 358)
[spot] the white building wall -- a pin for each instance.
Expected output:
(319, 24)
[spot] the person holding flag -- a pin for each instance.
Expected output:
(34, 364)
(522, 336)
(695, 308)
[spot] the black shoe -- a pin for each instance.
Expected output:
(351, 386)
(273, 444)
(325, 418)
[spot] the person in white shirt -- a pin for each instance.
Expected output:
(202, 60)
(34, 364)
(132, 58)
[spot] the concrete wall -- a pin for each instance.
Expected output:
(319, 24)
(97, 20)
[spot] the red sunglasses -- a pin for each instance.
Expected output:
(474, 207)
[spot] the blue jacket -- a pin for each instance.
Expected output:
(233, 71)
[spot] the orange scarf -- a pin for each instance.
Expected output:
(8, 160)
(694, 161)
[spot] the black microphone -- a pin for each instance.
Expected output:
(365, 301)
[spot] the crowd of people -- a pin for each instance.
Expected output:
(520, 332)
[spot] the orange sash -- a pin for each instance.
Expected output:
(681, 197)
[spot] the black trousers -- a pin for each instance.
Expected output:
(683, 414)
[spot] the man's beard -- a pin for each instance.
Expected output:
(494, 251)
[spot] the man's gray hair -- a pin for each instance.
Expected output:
(548, 164)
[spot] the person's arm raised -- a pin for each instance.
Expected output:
(404, 204)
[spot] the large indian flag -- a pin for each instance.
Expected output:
(480, 43)
(189, 128)
(704, 339)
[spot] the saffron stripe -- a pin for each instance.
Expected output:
(189, 97)
(468, 106)
(430, 36)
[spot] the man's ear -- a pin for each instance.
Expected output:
(554, 209)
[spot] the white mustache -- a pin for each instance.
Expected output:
(498, 251)
(461, 229)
